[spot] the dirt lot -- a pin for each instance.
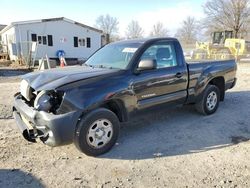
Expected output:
(171, 148)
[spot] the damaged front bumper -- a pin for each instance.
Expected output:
(53, 130)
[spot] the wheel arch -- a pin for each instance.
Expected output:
(117, 107)
(220, 83)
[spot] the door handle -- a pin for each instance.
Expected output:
(178, 75)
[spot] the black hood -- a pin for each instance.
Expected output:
(53, 78)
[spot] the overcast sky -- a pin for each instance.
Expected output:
(147, 12)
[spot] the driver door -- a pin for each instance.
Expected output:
(166, 83)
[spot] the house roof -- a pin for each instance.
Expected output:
(2, 26)
(48, 20)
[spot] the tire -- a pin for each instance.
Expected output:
(97, 132)
(209, 101)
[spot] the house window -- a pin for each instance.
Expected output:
(44, 40)
(75, 41)
(81, 42)
(33, 37)
(88, 42)
(50, 40)
(39, 38)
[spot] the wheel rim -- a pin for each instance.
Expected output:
(100, 133)
(211, 100)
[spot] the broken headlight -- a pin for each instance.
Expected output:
(48, 101)
(26, 90)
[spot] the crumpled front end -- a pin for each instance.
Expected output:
(38, 116)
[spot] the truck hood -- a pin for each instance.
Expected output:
(54, 78)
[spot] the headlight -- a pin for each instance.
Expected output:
(48, 101)
(43, 101)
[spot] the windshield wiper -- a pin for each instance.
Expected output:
(87, 65)
(103, 66)
(98, 66)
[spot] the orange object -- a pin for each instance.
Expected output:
(61, 63)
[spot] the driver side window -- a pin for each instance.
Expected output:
(164, 54)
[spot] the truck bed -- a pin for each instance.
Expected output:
(201, 72)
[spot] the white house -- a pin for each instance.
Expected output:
(37, 38)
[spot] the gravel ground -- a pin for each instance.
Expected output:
(169, 148)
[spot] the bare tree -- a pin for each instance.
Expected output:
(134, 30)
(227, 15)
(159, 30)
(108, 24)
(188, 32)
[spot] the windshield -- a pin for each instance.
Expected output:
(115, 56)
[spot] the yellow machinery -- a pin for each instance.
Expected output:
(240, 48)
(223, 46)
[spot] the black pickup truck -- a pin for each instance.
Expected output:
(86, 104)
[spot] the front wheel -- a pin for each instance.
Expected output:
(209, 101)
(97, 132)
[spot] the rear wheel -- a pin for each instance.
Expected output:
(97, 132)
(209, 101)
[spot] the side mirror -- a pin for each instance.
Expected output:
(147, 64)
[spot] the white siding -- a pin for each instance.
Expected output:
(59, 30)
